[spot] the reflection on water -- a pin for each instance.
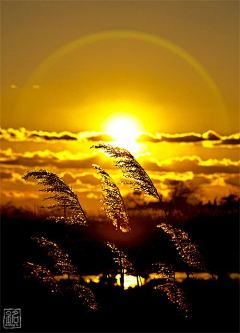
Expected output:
(86, 278)
(234, 276)
(133, 281)
(180, 276)
(130, 281)
(61, 277)
(92, 278)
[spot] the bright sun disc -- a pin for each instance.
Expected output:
(125, 132)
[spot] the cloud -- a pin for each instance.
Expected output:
(205, 187)
(5, 175)
(67, 160)
(12, 194)
(200, 180)
(163, 177)
(208, 139)
(211, 137)
(46, 137)
(93, 196)
(68, 178)
(231, 141)
(89, 178)
(11, 175)
(99, 137)
(195, 181)
(162, 137)
(22, 134)
(192, 163)
(235, 181)
(210, 183)
(64, 159)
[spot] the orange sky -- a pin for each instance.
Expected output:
(68, 68)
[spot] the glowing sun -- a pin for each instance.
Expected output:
(125, 131)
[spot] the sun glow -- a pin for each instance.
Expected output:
(124, 129)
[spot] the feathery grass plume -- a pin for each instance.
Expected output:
(121, 259)
(63, 195)
(177, 297)
(164, 271)
(131, 169)
(85, 294)
(112, 201)
(64, 266)
(62, 263)
(44, 276)
(186, 249)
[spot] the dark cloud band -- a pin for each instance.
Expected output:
(211, 136)
(22, 134)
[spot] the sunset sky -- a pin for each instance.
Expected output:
(161, 78)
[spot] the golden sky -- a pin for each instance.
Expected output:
(167, 72)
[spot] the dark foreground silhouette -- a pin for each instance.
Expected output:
(214, 303)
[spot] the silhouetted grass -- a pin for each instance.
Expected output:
(36, 249)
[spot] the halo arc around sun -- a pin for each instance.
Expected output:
(56, 56)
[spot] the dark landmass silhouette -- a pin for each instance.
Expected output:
(214, 303)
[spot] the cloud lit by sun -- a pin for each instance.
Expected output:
(135, 86)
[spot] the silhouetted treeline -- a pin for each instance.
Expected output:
(214, 227)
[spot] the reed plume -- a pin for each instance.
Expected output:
(85, 294)
(114, 207)
(177, 297)
(131, 169)
(62, 194)
(121, 259)
(62, 263)
(164, 271)
(186, 249)
(43, 275)
(113, 203)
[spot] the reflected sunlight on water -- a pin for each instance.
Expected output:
(92, 278)
(180, 276)
(86, 278)
(133, 281)
(130, 281)
(61, 277)
(234, 276)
